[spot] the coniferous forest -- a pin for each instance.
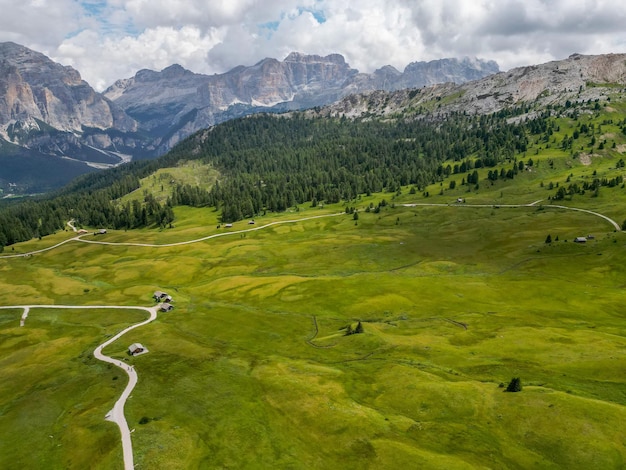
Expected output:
(271, 163)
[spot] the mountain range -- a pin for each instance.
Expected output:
(54, 125)
(171, 104)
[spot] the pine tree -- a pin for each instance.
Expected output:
(549, 239)
(515, 385)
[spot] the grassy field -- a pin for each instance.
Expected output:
(252, 369)
(160, 183)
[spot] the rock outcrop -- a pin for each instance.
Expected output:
(32, 87)
(577, 78)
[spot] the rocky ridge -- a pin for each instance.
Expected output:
(577, 78)
(35, 92)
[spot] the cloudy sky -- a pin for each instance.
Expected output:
(110, 39)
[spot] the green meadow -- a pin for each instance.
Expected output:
(253, 369)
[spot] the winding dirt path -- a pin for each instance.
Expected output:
(532, 204)
(154, 245)
(116, 414)
(208, 237)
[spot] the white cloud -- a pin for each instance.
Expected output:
(38, 23)
(110, 39)
(155, 49)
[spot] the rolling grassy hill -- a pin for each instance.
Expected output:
(253, 369)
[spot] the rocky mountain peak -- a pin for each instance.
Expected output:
(32, 65)
(50, 110)
(336, 59)
(450, 70)
(175, 70)
(35, 87)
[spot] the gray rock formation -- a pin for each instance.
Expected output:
(32, 87)
(173, 103)
(577, 78)
(46, 109)
(421, 74)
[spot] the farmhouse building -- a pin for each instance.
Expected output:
(158, 295)
(580, 240)
(135, 348)
(166, 307)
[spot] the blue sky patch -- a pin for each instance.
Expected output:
(319, 15)
(99, 11)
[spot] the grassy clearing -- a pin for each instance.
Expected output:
(160, 183)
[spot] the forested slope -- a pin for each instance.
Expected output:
(271, 163)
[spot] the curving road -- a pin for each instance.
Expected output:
(532, 204)
(291, 221)
(208, 237)
(116, 414)
(154, 245)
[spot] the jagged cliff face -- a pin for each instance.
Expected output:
(271, 82)
(176, 102)
(34, 87)
(578, 77)
(47, 110)
(420, 74)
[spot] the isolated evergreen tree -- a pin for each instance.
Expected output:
(549, 239)
(359, 328)
(515, 385)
